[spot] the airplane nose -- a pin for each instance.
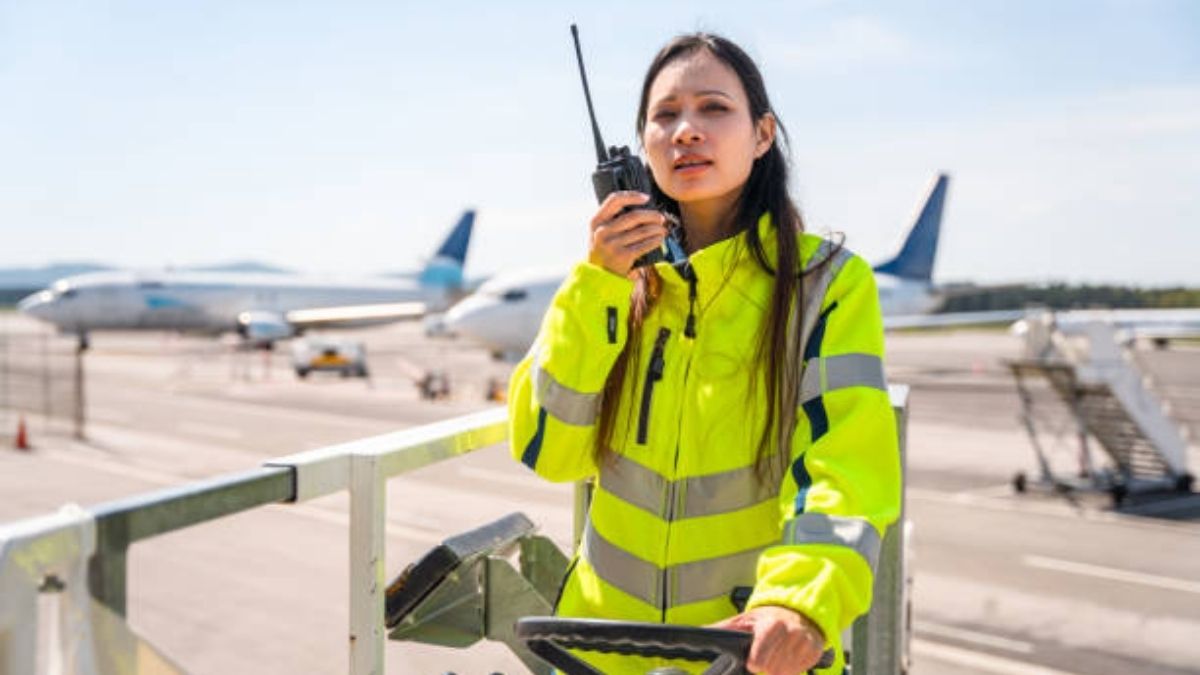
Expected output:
(465, 317)
(36, 305)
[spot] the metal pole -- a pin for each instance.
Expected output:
(368, 503)
(879, 640)
(80, 400)
(46, 407)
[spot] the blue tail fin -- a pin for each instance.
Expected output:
(916, 256)
(446, 267)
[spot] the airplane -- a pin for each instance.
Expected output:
(261, 308)
(504, 313)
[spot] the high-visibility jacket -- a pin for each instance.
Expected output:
(679, 518)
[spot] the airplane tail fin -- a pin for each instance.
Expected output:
(446, 267)
(916, 256)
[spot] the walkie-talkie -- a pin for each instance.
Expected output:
(619, 169)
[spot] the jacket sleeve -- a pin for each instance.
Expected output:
(555, 392)
(842, 489)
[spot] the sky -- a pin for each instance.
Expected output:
(346, 138)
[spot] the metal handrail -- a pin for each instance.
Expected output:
(40, 552)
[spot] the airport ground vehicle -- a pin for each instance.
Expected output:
(339, 355)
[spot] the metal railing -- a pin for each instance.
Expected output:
(83, 553)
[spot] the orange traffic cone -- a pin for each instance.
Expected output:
(22, 436)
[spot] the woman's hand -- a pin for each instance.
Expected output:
(618, 239)
(785, 641)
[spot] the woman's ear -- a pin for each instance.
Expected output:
(764, 134)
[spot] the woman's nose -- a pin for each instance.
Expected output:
(686, 133)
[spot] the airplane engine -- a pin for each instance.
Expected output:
(263, 328)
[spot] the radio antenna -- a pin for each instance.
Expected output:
(601, 153)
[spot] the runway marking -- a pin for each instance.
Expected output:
(1112, 574)
(1002, 490)
(495, 476)
(255, 409)
(342, 518)
(979, 661)
(210, 431)
(1056, 509)
(982, 639)
(109, 415)
(161, 478)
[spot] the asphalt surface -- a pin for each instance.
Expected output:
(1036, 583)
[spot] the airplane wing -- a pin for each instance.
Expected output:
(954, 319)
(1137, 323)
(351, 316)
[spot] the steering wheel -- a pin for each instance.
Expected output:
(725, 650)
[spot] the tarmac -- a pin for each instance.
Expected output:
(1004, 583)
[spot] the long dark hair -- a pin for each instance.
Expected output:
(765, 191)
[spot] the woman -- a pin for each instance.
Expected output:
(732, 408)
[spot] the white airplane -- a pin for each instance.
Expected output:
(261, 308)
(505, 312)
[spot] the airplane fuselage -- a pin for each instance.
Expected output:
(203, 302)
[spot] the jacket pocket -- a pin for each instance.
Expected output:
(654, 373)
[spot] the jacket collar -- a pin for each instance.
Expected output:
(726, 261)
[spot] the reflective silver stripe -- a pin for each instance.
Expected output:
(818, 284)
(633, 483)
(802, 321)
(618, 567)
(687, 497)
(712, 578)
(687, 582)
(820, 528)
(564, 403)
(831, 373)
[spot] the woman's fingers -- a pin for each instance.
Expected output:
(620, 238)
(637, 239)
(611, 207)
(784, 643)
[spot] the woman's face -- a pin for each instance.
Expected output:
(699, 138)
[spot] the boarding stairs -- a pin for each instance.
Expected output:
(1111, 401)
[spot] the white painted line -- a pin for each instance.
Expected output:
(979, 662)
(210, 431)
(1112, 574)
(108, 414)
(525, 482)
(1057, 509)
(342, 519)
(976, 637)
(308, 511)
(1003, 490)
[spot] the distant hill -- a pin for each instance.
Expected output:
(40, 277)
(17, 282)
(246, 266)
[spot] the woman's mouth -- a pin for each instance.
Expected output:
(690, 165)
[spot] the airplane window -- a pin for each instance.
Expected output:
(67, 293)
(150, 284)
(514, 295)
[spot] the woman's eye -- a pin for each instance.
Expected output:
(661, 115)
(714, 107)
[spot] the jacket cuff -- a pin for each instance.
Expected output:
(815, 599)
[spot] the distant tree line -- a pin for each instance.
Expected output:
(11, 296)
(1065, 296)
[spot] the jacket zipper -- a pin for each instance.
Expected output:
(673, 490)
(654, 373)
